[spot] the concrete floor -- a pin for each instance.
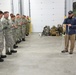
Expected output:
(40, 56)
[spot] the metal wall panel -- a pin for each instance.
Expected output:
(46, 12)
(26, 7)
(6, 5)
(69, 6)
(16, 6)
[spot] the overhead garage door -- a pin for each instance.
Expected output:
(46, 12)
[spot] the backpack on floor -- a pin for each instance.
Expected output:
(46, 31)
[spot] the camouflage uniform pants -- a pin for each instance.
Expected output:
(14, 34)
(1, 43)
(27, 28)
(9, 41)
(1, 47)
(19, 32)
(23, 31)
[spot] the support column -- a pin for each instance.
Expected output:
(69, 6)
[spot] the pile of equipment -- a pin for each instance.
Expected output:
(53, 31)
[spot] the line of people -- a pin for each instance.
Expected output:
(13, 30)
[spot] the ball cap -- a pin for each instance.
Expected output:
(70, 12)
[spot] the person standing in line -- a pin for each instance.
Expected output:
(12, 21)
(24, 22)
(28, 25)
(19, 29)
(8, 34)
(1, 39)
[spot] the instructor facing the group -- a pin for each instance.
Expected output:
(70, 24)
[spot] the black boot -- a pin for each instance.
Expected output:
(71, 52)
(3, 56)
(9, 53)
(64, 51)
(23, 39)
(15, 46)
(27, 34)
(13, 51)
(1, 60)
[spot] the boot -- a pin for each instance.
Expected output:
(64, 51)
(15, 46)
(1, 60)
(3, 56)
(71, 52)
(13, 51)
(23, 39)
(9, 53)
